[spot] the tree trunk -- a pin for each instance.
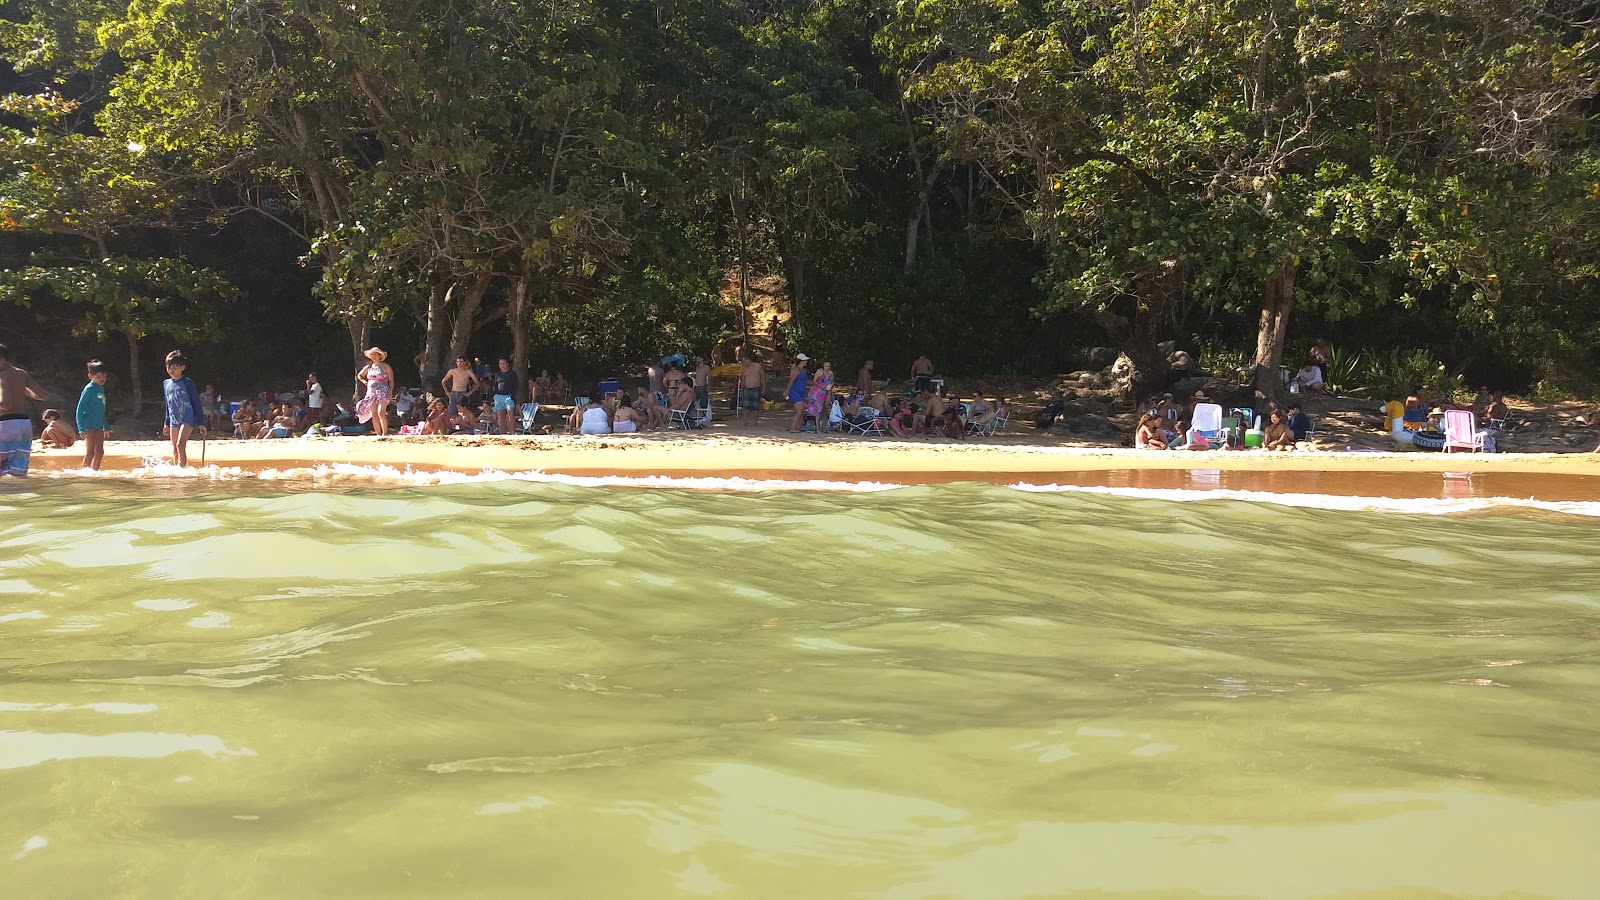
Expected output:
(517, 320)
(741, 224)
(434, 330)
(794, 268)
(467, 314)
(920, 216)
(1139, 335)
(360, 330)
(1276, 302)
(133, 377)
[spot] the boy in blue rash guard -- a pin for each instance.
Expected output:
(183, 407)
(92, 416)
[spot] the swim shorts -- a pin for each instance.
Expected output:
(16, 445)
(750, 397)
(503, 402)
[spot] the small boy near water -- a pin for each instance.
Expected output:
(57, 434)
(92, 416)
(183, 407)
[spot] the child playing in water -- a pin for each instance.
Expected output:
(57, 434)
(183, 413)
(92, 416)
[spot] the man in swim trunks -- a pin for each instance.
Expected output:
(702, 383)
(459, 382)
(922, 374)
(16, 426)
(505, 398)
(752, 379)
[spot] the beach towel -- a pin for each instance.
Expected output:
(16, 445)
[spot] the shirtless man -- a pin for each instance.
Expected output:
(702, 382)
(752, 380)
(922, 374)
(459, 382)
(864, 380)
(16, 426)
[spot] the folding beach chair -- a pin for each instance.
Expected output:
(1207, 420)
(530, 415)
(678, 418)
(1232, 434)
(869, 425)
(1461, 431)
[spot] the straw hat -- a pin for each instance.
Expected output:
(373, 353)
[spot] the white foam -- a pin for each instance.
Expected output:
(328, 474)
(1419, 505)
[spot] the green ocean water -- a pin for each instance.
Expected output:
(539, 690)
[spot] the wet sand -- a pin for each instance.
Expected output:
(1541, 476)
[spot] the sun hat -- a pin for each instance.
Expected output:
(371, 351)
(802, 357)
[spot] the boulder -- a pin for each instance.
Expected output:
(1185, 388)
(1167, 347)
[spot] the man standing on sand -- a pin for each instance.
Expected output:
(864, 381)
(459, 382)
(702, 383)
(752, 380)
(505, 397)
(922, 374)
(16, 425)
(316, 399)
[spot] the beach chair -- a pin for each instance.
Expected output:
(678, 418)
(1499, 424)
(835, 417)
(1207, 420)
(1231, 434)
(528, 418)
(867, 426)
(1461, 431)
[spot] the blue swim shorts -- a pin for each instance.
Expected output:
(503, 402)
(16, 446)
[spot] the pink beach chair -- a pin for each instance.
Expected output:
(1461, 431)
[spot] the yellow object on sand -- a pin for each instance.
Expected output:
(726, 370)
(1392, 410)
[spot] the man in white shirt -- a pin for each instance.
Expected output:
(315, 400)
(1309, 379)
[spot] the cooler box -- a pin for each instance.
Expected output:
(1253, 437)
(609, 386)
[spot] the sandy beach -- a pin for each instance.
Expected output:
(728, 452)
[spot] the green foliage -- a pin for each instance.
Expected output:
(1346, 371)
(1396, 373)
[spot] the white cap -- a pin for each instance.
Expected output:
(802, 356)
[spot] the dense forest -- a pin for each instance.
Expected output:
(1000, 184)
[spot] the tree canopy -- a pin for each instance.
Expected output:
(999, 184)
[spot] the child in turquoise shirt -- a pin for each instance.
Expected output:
(92, 416)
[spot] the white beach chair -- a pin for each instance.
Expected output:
(1461, 431)
(530, 415)
(1207, 421)
(869, 425)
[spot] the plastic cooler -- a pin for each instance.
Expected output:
(609, 386)
(1254, 437)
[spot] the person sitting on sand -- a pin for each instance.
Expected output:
(1299, 423)
(932, 408)
(652, 415)
(625, 420)
(1148, 435)
(1277, 436)
(994, 410)
(951, 424)
(1415, 417)
(558, 388)
(880, 401)
(438, 420)
(591, 418)
(58, 433)
(1481, 402)
(1169, 408)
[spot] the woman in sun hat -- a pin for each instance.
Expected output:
(795, 393)
(374, 407)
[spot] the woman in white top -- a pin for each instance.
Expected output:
(596, 420)
(625, 420)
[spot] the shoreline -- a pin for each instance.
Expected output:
(758, 456)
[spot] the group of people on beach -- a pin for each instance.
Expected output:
(182, 416)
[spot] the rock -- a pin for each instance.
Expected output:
(1092, 426)
(1166, 347)
(1100, 357)
(1181, 360)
